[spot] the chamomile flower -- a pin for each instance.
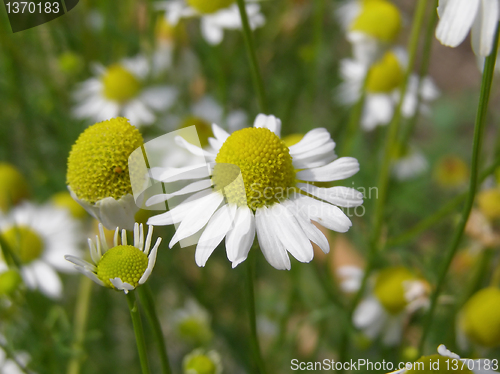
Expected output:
(119, 90)
(371, 26)
(192, 323)
(13, 186)
(396, 294)
(441, 363)
(382, 88)
(98, 173)
(123, 267)
(39, 236)
(202, 362)
(458, 17)
(261, 188)
(409, 164)
(215, 15)
(479, 320)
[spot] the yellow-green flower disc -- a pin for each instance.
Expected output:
(292, 139)
(119, 84)
(437, 364)
(451, 171)
(209, 6)
(201, 364)
(13, 186)
(64, 200)
(389, 288)
(194, 330)
(9, 282)
(24, 242)
(480, 317)
(203, 129)
(489, 203)
(385, 75)
(265, 164)
(125, 262)
(379, 19)
(98, 161)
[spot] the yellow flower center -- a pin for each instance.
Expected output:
(13, 186)
(203, 129)
(64, 200)
(9, 281)
(200, 364)
(451, 171)
(385, 75)
(98, 161)
(438, 364)
(24, 242)
(379, 19)
(194, 330)
(209, 6)
(119, 84)
(389, 288)
(489, 203)
(480, 319)
(125, 262)
(265, 165)
(292, 139)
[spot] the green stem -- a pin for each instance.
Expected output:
(139, 333)
(147, 301)
(250, 270)
(252, 56)
(81, 317)
(488, 71)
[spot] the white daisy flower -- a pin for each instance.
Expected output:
(458, 17)
(382, 88)
(215, 15)
(192, 323)
(479, 321)
(119, 90)
(396, 294)
(441, 363)
(371, 27)
(350, 277)
(260, 187)
(40, 236)
(123, 267)
(98, 172)
(201, 362)
(409, 165)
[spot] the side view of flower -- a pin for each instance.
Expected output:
(122, 267)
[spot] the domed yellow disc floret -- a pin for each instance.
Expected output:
(119, 84)
(64, 200)
(385, 75)
(203, 129)
(209, 6)
(480, 317)
(379, 19)
(438, 364)
(292, 139)
(125, 262)
(200, 364)
(98, 161)
(13, 186)
(24, 242)
(489, 203)
(265, 164)
(389, 288)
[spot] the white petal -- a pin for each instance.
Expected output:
(456, 21)
(378, 110)
(212, 32)
(219, 133)
(443, 351)
(183, 173)
(151, 262)
(217, 228)
(341, 168)
(197, 151)
(268, 122)
(325, 214)
(138, 113)
(367, 312)
(80, 263)
(271, 247)
(198, 217)
(311, 140)
(315, 157)
(47, 280)
(240, 238)
(484, 26)
(120, 285)
(117, 213)
(190, 188)
(159, 98)
(342, 196)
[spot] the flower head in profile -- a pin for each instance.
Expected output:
(458, 17)
(215, 15)
(38, 236)
(201, 362)
(122, 267)
(13, 186)
(395, 295)
(382, 88)
(371, 26)
(260, 187)
(98, 173)
(192, 323)
(446, 362)
(120, 90)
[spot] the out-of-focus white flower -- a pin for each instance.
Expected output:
(192, 323)
(409, 165)
(40, 236)
(215, 15)
(458, 17)
(201, 362)
(119, 90)
(13, 365)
